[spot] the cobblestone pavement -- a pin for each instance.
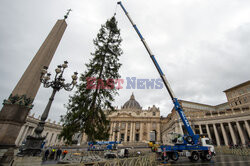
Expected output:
(49, 162)
(219, 160)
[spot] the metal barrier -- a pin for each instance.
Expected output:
(235, 151)
(147, 160)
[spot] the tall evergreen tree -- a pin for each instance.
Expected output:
(95, 92)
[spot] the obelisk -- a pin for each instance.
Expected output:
(16, 107)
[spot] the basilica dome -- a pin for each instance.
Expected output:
(132, 103)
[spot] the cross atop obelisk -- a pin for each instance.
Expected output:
(67, 14)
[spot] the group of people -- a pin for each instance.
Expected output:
(239, 145)
(54, 154)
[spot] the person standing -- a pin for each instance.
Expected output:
(65, 153)
(46, 154)
(52, 155)
(58, 153)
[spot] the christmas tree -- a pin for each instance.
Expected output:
(87, 108)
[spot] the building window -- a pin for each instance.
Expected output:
(234, 94)
(154, 113)
(241, 91)
(123, 125)
(248, 89)
(122, 137)
(137, 137)
(154, 126)
(137, 125)
(128, 138)
(129, 125)
(245, 108)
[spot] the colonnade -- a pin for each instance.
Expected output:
(133, 131)
(24, 132)
(51, 131)
(224, 132)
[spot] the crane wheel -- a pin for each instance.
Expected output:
(195, 156)
(207, 156)
(189, 139)
(174, 156)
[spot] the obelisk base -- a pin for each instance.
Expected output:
(12, 117)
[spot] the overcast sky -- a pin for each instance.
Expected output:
(202, 47)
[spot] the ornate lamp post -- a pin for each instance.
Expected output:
(34, 143)
(116, 129)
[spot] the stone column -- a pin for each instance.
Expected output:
(176, 127)
(50, 135)
(224, 134)
(52, 138)
(149, 129)
(180, 126)
(119, 133)
(113, 136)
(21, 134)
(111, 131)
(216, 135)
(141, 131)
(241, 110)
(33, 130)
(131, 132)
(242, 137)
(232, 133)
(126, 132)
(208, 132)
(247, 127)
(200, 129)
(14, 112)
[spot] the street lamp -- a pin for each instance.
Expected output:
(116, 129)
(34, 143)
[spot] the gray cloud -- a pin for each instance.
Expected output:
(202, 46)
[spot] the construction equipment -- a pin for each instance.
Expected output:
(193, 146)
(103, 145)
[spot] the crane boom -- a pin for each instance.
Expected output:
(177, 105)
